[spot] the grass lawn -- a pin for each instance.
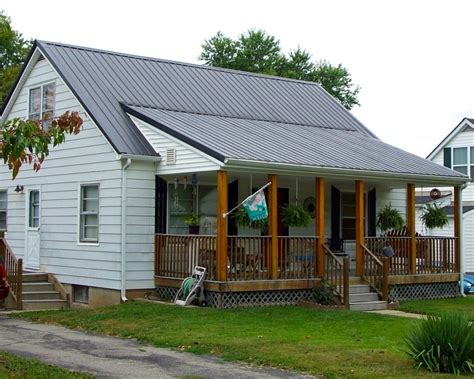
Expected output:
(12, 366)
(463, 305)
(330, 343)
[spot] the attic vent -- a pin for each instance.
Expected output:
(171, 156)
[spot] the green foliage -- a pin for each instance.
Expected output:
(13, 51)
(12, 366)
(25, 141)
(295, 215)
(443, 344)
(389, 218)
(434, 217)
(324, 294)
(257, 51)
(192, 220)
(243, 221)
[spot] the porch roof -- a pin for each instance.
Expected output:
(232, 138)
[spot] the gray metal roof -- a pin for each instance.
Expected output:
(268, 141)
(102, 79)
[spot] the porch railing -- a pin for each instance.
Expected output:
(297, 257)
(433, 254)
(376, 272)
(337, 274)
(14, 267)
(248, 257)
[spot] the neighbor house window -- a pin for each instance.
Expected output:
(41, 106)
(460, 159)
(3, 210)
(89, 213)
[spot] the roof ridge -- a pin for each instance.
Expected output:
(180, 63)
(234, 117)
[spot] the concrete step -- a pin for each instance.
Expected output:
(363, 297)
(34, 277)
(41, 295)
(368, 306)
(36, 305)
(37, 286)
(359, 288)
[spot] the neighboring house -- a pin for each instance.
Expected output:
(162, 140)
(456, 151)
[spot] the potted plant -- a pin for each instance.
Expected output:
(434, 216)
(192, 221)
(389, 218)
(243, 221)
(295, 215)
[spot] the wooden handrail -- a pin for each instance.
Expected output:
(376, 272)
(14, 267)
(337, 274)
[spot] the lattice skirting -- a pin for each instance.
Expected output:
(245, 299)
(424, 291)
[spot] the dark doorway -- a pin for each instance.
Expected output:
(232, 201)
(161, 194)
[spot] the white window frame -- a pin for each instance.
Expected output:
(5, 210)
(80, 241)
(41, 86)
(28, 200)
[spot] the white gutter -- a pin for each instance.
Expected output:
(123, 291)
(145, 158)
(334, 172)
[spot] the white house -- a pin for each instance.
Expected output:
(456, 151)
(162, 140)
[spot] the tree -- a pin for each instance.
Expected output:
(256, 51)
(13, 51)
(25, 141)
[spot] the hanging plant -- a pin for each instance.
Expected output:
(434, 216)
(243, 221)
(389, 218)
(295, 215)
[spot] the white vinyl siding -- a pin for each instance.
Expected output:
(83, 158)
(185, 159)
(468, 241)
(89, 214)
(3, 210)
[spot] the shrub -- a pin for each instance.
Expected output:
(324, 294)
(443, 344)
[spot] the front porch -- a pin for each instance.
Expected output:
(274, 268)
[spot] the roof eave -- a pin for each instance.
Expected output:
(334, 172)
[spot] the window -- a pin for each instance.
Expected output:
(3, 210)
(80, 294)
(42, 104)
(460, 159)
(34, 218)
(348, 216)
(89, 213)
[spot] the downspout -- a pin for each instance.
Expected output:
(461, 244)
(123, 291)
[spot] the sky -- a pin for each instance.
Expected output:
(412, 59)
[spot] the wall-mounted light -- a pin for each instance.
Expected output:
(19, 189)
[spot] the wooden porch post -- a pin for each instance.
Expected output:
(359, 226)
(221, 244)
(319, 225)
(411, 231)
(457, 229)
(273, 225)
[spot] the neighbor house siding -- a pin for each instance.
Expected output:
(85, 158)
(140, 225)
(462, 139)
(468, 241)
(188, 159)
